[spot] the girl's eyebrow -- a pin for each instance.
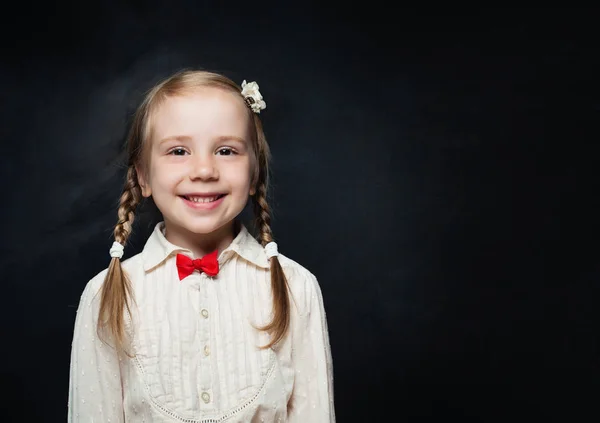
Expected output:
(175, 138)
(230, 138)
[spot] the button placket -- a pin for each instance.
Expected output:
(204, 325)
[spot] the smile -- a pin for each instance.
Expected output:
(203, 199)
(203, 202)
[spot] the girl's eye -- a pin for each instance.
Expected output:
(177, 152)
(226, 151)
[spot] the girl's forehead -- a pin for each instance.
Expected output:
(201, 112)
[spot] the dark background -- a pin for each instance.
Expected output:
(434, 168)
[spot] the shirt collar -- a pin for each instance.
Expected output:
(157, 249)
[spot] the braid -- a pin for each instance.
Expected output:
(262, 211)
(131, 197)
(116, 290)
(278, 326)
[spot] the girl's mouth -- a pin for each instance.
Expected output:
(203, 199)
(196, 202)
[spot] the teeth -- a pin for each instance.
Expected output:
(203, 199)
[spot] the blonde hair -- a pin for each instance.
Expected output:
(116, 293)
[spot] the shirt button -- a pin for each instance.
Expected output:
(206, 350)
(204, 313)
(205, 397)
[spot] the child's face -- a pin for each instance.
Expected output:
(200, 144)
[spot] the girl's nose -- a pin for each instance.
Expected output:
(204, 168)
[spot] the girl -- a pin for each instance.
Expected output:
(205, 324)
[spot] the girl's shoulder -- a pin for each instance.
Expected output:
(303, 284)
(132, 266)
(293, 269)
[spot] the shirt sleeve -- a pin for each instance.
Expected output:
(312, 395)
(95, 391)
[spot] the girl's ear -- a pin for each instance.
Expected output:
(253, 182)
(146, 191)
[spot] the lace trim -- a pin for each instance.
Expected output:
(227, 415)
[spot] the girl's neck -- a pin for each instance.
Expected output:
(202, 244)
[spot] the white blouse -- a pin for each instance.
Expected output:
(196, 355)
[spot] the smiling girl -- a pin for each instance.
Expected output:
(206, 324)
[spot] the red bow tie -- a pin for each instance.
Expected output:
(207, 264)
